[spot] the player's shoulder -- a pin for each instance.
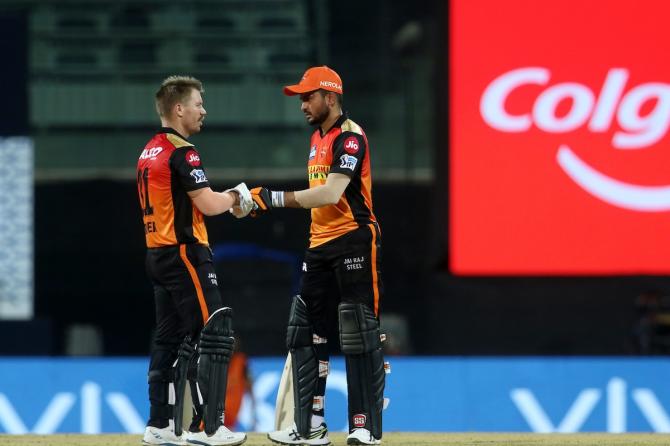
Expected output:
(349, 126)
(168, 141)
(177, 141)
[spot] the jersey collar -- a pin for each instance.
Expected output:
(173, 131)
(343, 117)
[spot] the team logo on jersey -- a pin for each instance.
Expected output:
(198, 175)
(193, 158)
(348, 162)
(151, 153)
(359, 420)
(312, 152)
(351, 145)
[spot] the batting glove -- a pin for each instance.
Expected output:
(265, 199)
(246, 203)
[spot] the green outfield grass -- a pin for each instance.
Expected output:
(390, 439)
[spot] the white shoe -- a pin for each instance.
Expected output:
(162, 436)
(222, 437)
(362, 436)
(317, 436)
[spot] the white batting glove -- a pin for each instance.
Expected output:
(246, 202)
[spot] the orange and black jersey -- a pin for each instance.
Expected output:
(342, 149)
(168, 168)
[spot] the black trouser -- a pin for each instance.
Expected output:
(185, 292)
(352, 262)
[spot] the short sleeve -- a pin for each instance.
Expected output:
(188, 168)
(348, 152)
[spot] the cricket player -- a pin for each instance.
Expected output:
(345, 242)
(194, 336)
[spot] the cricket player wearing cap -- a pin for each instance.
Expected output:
(345, 243)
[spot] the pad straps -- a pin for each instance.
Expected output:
(186, 352)
(361, 345)
(304, 363)
(215, 348)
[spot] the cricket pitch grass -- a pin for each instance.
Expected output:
(390, 439)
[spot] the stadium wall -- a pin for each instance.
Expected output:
(427, 394)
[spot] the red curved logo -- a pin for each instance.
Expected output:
(598, 112)
(192, 158)
(351, 145)
(559, 146)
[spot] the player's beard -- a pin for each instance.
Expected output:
(320, 117)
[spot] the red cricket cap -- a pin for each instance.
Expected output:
(316, 78)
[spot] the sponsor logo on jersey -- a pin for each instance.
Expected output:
(359, 420)
(348, 162)
(198, 175)
(312, 152)
(351, 145)
(318, 172)
(192, 158)
(151, 153)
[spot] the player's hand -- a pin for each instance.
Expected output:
(245, 202)
(262, 200)
(237, 212)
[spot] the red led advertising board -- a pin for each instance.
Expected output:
(559, 157)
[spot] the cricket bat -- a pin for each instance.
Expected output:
(284, 405)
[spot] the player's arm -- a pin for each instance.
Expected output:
(186, 166)
(211, 203)
(349, 149)
(316, 197)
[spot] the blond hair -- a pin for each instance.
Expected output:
(175, 89)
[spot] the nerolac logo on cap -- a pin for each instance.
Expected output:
(331, 85)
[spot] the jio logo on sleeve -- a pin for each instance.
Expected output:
(192, 158)
(351, 145)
